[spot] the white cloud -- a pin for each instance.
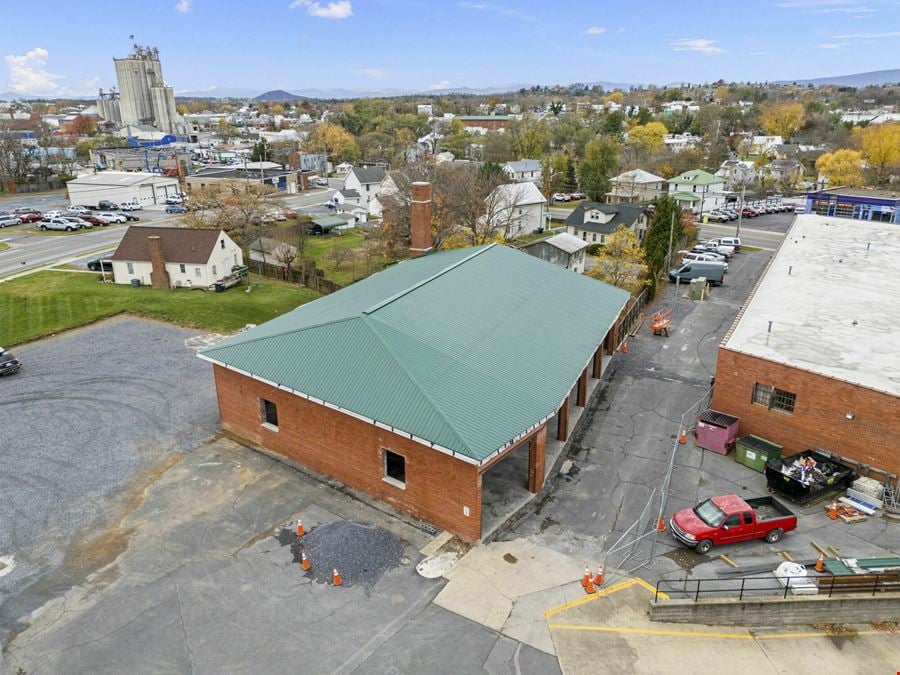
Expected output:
(701, 45)
(443, 84)
(183, 6)
(339, 9)
(595, 30)
(374, 73)
(868, 36)
(27, 74)
(90, 83)
(502, 10)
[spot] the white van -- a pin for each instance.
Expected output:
(687, 256)
(694, 269)
(734, 242)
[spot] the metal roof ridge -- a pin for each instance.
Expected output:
(274, 335)
(464, 447)
(379, 305)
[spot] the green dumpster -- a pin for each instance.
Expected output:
(755, 452)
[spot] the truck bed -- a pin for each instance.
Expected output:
(767, 508)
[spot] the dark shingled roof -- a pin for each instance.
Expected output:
(369, 174)
(180, 244)
(623, 214)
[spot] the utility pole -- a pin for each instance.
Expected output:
(671, 233)
(741, 210)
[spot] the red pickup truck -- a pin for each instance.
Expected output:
(729, 519)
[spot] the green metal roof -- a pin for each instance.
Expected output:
(685, 196)
(696, 177)
(328, 222)
(465, 350)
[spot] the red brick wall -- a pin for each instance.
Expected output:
(350, 450)
(818, 420)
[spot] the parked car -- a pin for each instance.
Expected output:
(174, 199)
(717, 217)
(729, 519)
(77, 208)
(9, 364)
(57, 224)
(80, 223)
(734, 242)
(721, 249)
(105, 205)
(322, 182)
(799, 209)
(53, 214)
(747, 212)
(131, 206)
(560, 197)
(576, 195)
(9, 220)
(25, 209)
(110, 217)
(100, 265)
(175, 208)
(291, 214)
(707, 257)
(714, 272)
(130, 218)
(29, 217)
(93, 220)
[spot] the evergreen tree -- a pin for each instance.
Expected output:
(666, 217)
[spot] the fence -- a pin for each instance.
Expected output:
(633, 311)
(747, 586)
(310, 276)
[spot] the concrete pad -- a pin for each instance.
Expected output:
(439, 540)
(527, 621)
(617, 626)
(486, 581)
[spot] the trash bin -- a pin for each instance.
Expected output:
(716, 431)
(135, 282)
(755, 452)
(219, 287)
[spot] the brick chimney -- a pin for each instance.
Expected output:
(420, 220)
(159, 277)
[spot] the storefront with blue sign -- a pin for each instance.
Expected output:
(855, 203)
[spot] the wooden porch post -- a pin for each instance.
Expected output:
(581, 395)
(562, 431)
(537, 455)
(598, 363)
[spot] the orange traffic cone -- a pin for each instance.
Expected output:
(336, 577)
(624, 349)
(586, 579)
(660, 525)
(300, 530)
(598, 579)
(832, 511)
(820, 563)
(682, 439)
(304, 561)
(589, 586)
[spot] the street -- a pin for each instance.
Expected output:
(30, 251)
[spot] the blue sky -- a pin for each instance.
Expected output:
(64, 47)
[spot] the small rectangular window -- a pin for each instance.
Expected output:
(269, 414)
(182, 269)
(198, 272)
(130, 267)
(772, 398)
(222, 244)
(214, 270)
(395, 469)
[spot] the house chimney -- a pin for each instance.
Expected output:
(420, 220)
(159, 277)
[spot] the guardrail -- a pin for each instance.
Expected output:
(827, 585)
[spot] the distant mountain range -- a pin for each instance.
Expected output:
(875, 77)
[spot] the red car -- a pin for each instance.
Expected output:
(29, 217)
(729, 519)
(93, 220)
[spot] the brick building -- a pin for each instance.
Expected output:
(812, 359)
(410, 384)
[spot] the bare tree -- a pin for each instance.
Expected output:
(283, 252)
(15, 157)
(239, 208)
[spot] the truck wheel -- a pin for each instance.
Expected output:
(703, 547)
(69, 229)
(775, 535)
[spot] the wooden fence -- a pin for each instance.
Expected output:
(310, 276)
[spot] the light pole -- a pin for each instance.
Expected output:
(741, 209)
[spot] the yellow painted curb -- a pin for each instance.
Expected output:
(684, 633)
(636, 581)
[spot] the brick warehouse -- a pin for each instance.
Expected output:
(410, 384)
(812, 358)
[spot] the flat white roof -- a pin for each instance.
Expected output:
(832, 293)
(120, 178)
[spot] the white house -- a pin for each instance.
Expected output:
(698, 191)
(563, 249)
(636, 185)
(681, 142)
(366, 180)
(516, 208)
(146, 189)
(737, 172)
(593, 223)
(175, 257)
(524, 170)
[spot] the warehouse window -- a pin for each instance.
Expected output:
(269, 413)
(395, 469)
(772, 398)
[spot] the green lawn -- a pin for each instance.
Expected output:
(3, 245)
(566, 205)
(750, 249)
(48, 302)
(352, 267)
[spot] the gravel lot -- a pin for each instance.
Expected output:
(88, 412)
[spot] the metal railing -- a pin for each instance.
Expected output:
(746, 586)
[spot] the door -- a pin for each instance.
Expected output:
(734, 529)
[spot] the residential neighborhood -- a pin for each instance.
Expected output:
(442, 354)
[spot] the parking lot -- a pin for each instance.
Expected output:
(142, 542)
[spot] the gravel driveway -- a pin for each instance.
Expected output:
(92, 413)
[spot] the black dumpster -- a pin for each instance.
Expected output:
(802, 482)
(219, 287)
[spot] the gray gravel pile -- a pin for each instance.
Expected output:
(361, 553)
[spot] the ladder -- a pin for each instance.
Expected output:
(890, 497)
